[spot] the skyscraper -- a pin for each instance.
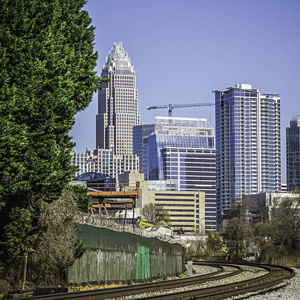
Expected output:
(247, 144)
(293, 154)
(182, 150)
(117, 104)
(139, 133)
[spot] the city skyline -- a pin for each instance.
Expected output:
(183, 50)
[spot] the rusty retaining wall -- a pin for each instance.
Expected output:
(114, 256)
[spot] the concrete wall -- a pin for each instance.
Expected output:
(121, 256)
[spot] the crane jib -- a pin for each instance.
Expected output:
(171, 106)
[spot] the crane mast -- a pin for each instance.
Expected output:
(171, 106)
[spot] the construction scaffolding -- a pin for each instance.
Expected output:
(112, 196)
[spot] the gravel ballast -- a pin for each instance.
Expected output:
(290, 290)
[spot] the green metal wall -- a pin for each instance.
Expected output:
(114, 256)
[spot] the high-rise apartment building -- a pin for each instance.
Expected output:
(247, 144)
(293, 154)
(117, 104)
(182, 150)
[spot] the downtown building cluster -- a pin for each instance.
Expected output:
(241, 156)
(181, 150)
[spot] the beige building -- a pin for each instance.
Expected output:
(186, 208)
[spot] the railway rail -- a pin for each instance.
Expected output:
(161, 289)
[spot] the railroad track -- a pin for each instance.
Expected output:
(275, 275)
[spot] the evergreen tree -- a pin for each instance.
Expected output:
(47, 75)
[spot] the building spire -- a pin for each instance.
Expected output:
(118, 58)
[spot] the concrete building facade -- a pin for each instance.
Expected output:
(105, 161)
(248, 149)
(186, 208)
(117, 104)
(293, 154)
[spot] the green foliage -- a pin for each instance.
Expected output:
(206, 248)
(47, 75)
(80, 249)
(156, 214)
(20, 235)
(213, 242)
(238, 236)
(82, 198)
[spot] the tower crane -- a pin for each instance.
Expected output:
(171, 106)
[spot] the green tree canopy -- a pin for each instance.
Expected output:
(47, 75)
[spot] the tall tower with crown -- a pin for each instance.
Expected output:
(117, 103)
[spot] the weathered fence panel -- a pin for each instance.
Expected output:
(114, 256)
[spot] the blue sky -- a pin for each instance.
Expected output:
(182, 50)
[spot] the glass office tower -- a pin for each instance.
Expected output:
(117, 104)
(182, 150)
(293, 154)
(247, 144)
(139, 133)
(175, 132)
